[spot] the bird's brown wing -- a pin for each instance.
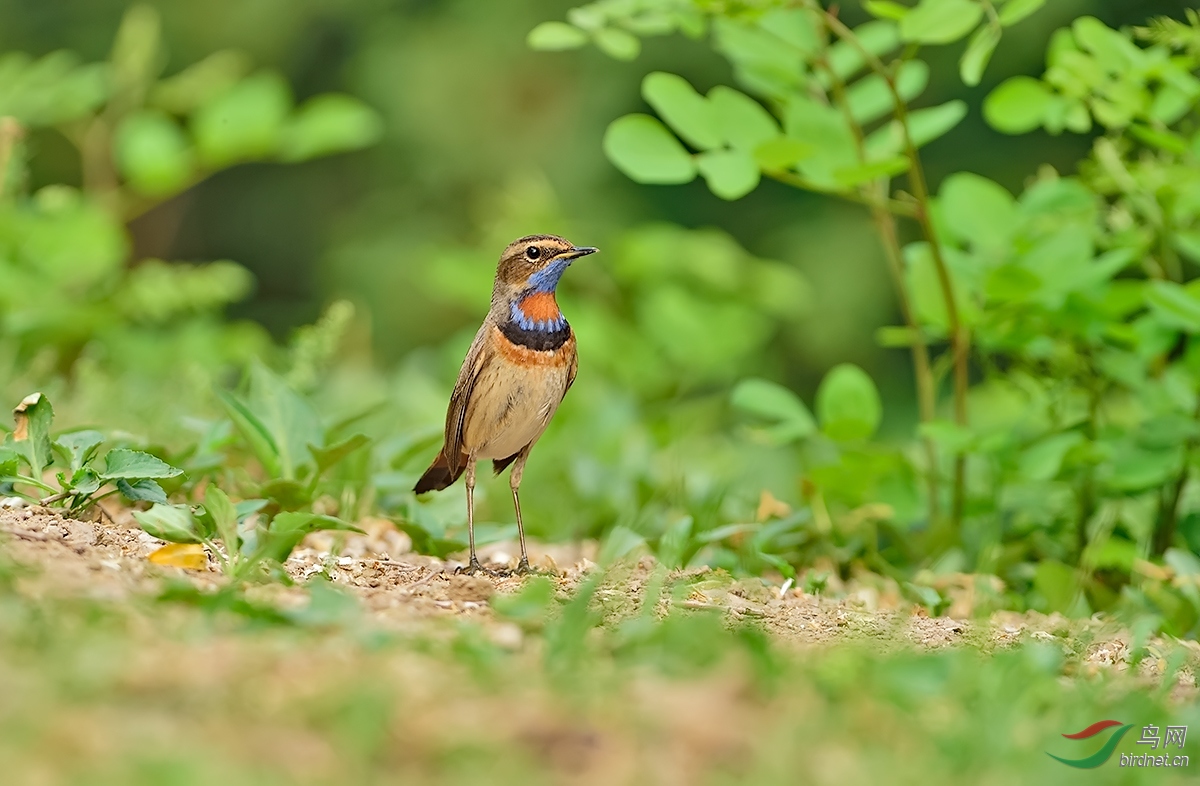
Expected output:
(574, 367)
(456, 416)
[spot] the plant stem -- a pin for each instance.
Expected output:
(959, 336)
(33, 482)
(892, 206)
(10, 134)
(876, 196)
(922, 370)
(50, 500)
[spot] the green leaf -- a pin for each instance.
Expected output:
(78, 447)
(620, 541)
(848, 404)
(1137, 469)
(248, 507)
(1160, 138)
(555, 36)
(643, 148)
(144, 490)
(872, 170)
(940, 21)
(730, 174)
(1057, 583)
(286, 531)
(287, 493)
(31, 436)
(245, 122)
(877, 37)
(290, 420)
(977, 211)
(169, 522)
(948, 435)
(200, 82)
(83, 482)
(328, 456)
(261, 443)
(894, 336)
(1188, 244)
(224, 517)
(870, 99)
(926, 125)
(122, 463)
(827, 132)
(772, 402)
(617, 43)
(886, 9)
(1174, 305)
(10, 463)
(743, 122)
(1184, 563)
(1016, 10)
(674, 542)
(425, 542)
(328, 124)
(978, 52)
(1042, 460)
(686, 111)
(782, 152)
(529, 606)
(153, 153)
(1115, 52)
(1018, 105)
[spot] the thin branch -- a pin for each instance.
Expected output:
(959, 336)
(885, 223)
(893, 206)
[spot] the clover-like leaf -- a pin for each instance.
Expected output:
(848, 404)
(777, 405)
(643, 148)
(327, 124)
(690, 114)
(940, 21)
(730, 174)
(555, 36)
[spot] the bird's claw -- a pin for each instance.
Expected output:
(525, 569)
(472, 568)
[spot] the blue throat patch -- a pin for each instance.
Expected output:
(546, 279)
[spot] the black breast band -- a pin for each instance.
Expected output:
(542, 340)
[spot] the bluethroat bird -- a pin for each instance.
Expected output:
(520, 366)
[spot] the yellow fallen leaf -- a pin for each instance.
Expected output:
(21, 432)
(180, 555)
(769, 507)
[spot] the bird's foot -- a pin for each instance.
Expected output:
(473, 567)
(525, 569)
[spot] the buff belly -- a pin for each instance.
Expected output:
(513, 400)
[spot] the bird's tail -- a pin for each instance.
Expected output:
(439, 475)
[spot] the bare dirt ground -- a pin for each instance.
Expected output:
(107, 559)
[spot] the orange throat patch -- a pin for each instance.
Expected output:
(540, 307)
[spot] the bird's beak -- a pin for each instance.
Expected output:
(579, 251)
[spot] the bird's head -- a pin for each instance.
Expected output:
(535, 263)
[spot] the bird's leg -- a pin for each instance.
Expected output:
(473, 565)
(514, 482)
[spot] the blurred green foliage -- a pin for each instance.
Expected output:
(227, 690)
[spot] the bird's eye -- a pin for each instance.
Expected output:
(533, 252)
